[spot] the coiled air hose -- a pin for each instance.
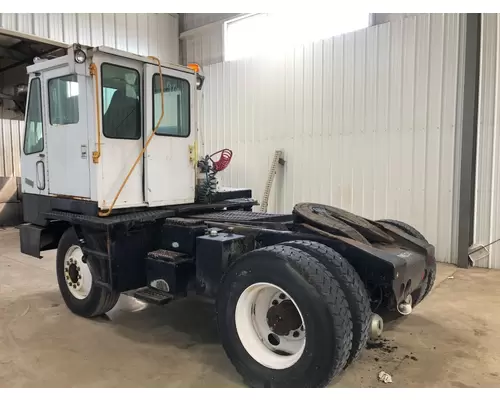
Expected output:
(206, 189)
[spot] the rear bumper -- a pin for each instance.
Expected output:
(399, 267)
(410, 270)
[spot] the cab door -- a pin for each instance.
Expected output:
(34, 157)
(122, 134)
(66, 132)
(169, 171)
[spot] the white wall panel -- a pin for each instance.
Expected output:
(487, 195)
(195, 20)
(367, 122)
(11, 132)
(205, 46)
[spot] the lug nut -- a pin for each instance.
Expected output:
(74, 286)
(79, 277)
(275, 302)
(282, 296)
(67, 262)
(66, 269)
(296, 334)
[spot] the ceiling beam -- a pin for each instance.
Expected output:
(13, 54)
(28, 60)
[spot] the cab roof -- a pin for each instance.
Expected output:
(45, 64)
(146, 60)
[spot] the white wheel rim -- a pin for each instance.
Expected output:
(77, 273)
(268, 346)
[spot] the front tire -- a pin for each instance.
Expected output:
(304, 340)
(76, 277)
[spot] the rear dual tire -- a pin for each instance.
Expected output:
(307, 275)
(352, 286)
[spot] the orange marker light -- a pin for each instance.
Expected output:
(194, 67)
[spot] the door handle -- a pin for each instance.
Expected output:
(40, 175)
(41, 155)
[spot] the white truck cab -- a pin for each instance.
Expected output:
(88, 119)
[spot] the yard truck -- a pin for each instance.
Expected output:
(114, 177)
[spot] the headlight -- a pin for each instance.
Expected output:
(80, 56)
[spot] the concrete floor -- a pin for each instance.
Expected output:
(451, 339)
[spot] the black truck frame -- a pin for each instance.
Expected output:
(164, 254)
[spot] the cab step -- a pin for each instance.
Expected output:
(153, 296)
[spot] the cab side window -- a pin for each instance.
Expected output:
(33, 135)
(176, 103)
(121, 105)
(63, 100)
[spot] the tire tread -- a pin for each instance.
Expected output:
(107, 299)
(325, 283)
(408, 229)
(352, 286)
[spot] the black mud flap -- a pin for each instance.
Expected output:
(31, 238)
(36, 238)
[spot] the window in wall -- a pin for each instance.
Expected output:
(63, 100)
(33, 135)
(176, 115)
(270, 34)
(121, 106)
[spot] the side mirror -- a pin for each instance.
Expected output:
(199, 81)
(200, 78)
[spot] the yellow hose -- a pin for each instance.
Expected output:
(108, 212)
(96, 154)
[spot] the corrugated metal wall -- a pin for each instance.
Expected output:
(203, 45)
(487, 205)
(11, 132)
(190, 21)
(367, 122)
(144, 34)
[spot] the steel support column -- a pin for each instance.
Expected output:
(469, 113)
